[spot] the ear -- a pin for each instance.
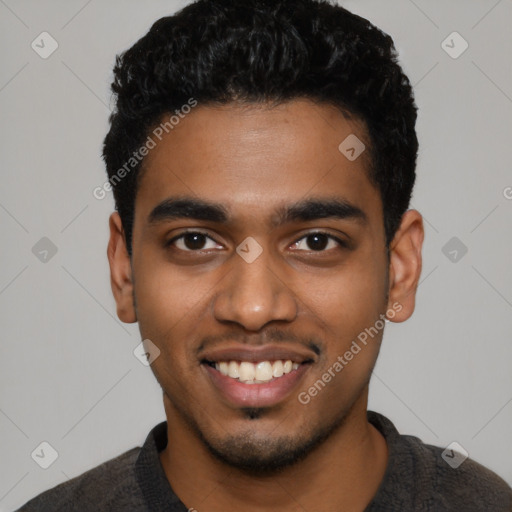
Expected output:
(405, 266)
(121, 278)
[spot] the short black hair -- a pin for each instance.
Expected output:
(255, 51)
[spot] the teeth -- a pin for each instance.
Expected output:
(250, 373)
(233, 370)
(264, 371)
(223, 367)
(246, 371)
(277, 369)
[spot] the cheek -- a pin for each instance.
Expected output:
(348, 307)
(169, 309)
(165, 294)
(348, 301)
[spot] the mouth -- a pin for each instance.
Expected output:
(254, 373)
(248, 372)
(256, 378)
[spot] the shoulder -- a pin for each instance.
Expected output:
(456, 482)
(110, 486)
(424, 477)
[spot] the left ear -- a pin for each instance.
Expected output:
(405, 266)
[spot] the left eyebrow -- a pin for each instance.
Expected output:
(306, 210)
(315, 209)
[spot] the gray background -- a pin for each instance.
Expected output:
(67, 372)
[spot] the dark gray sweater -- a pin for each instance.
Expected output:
(416, 479)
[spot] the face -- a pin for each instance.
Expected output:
(258, 258)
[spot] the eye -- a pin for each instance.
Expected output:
(318, 242)
(192, 241)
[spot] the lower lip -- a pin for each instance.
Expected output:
(256, 395)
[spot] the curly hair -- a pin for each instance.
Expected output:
(221, 51)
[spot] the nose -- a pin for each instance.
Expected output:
(253, 295)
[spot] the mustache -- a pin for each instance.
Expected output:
(271, 335)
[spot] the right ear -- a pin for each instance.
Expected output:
(121, 278)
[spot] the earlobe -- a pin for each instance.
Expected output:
(405, 266)
(121, 278)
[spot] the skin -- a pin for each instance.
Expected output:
(253, 160)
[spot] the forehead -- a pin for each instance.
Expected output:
(254, 159)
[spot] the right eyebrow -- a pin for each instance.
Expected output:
(189, 208)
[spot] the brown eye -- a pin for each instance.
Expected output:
(192, 241)
(318, 242)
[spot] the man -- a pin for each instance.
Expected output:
(262, 156)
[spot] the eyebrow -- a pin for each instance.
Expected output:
(305, 210)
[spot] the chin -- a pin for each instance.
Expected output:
(260, 453)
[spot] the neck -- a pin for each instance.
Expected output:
(343, 473)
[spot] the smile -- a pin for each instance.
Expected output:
(255, 373)
(256, 385)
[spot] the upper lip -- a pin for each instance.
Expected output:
(257, 354)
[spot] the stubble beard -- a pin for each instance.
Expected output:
(262, 454)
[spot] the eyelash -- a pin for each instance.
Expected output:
(340, 242)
